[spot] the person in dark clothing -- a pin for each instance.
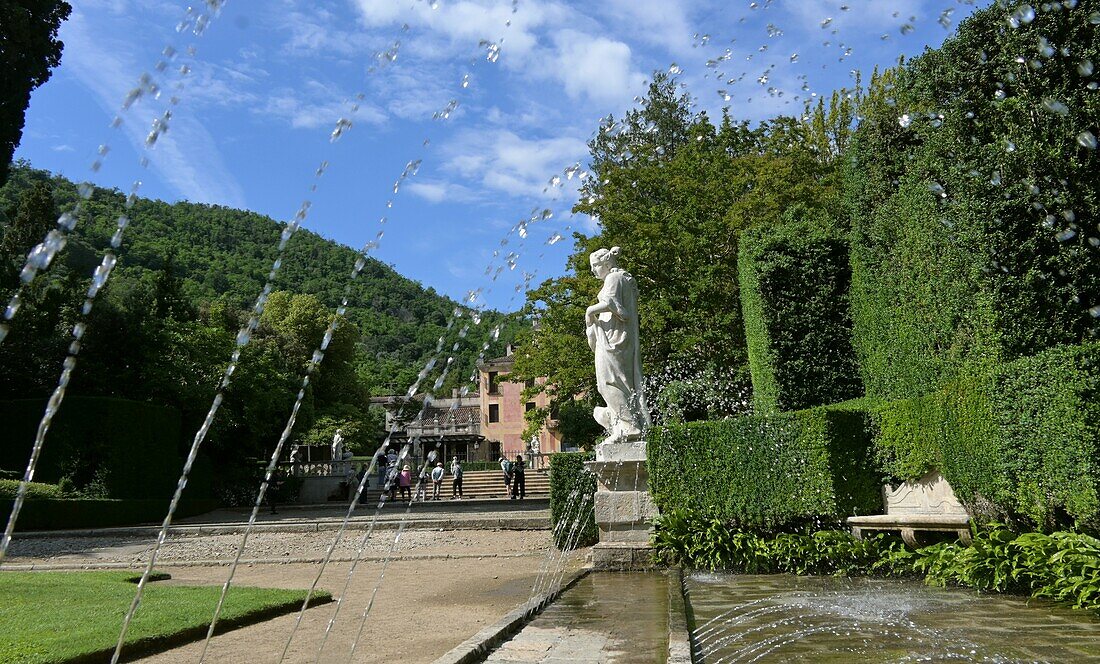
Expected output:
(456, 482)
(519, 483)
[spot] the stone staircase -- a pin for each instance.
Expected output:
(476, 484)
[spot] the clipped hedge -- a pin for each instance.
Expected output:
(768, 472)
(1020, 442)
(81, 513)
(973, 204)
(35, 490)
(572, 511)
(794, 282)
(127, 449)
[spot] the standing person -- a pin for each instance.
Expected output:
(519, 481)
(405, 480)
(380, 463)
(456, 482)
(422, 483)
(437, 480)
(506, 468)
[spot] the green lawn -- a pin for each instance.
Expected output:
(66, 616)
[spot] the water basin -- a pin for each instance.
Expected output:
(743, 618)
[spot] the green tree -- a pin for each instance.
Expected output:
(29, 49)
(32, 218)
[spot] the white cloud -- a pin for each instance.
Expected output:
(438, 191)
(656, 22)
(187, 157)
(317, 105)
(64, 147)
(596, 67)
(502, 161)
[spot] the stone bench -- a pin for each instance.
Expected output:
(920, 506)
(911, 524)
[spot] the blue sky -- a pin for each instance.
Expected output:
(268, 81)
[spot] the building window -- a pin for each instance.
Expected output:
(493, 385)
(529, 406)
(529, 383)
(494, 412)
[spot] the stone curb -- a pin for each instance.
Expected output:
(225, 562)
(502, 523)
(679, 635)
(477, 647)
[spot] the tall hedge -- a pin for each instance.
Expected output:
(572, 510)
(768, 472)
(1020, 442)
(794, 282)
(126, 449)
(974, 200)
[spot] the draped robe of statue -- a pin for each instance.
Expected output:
(613, 337)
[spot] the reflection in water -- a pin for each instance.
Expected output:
(740, 618)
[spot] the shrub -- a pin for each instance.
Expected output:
(572, 511)
(128, 448)
(767, 472)
(80, 513)
(794, 282)
(1019, 442)
(35, 490)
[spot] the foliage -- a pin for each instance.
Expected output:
(675, 191)
(572, 491)
(29, 49)
(709, 543)
(767, 471)
(1018, 442)
(125, 449)
(49, 513)
(35, 490)
(971, 199)
(794, 294)
(74, 616)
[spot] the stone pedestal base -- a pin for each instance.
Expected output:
(623, 506)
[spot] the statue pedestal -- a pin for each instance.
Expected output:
(623, 506)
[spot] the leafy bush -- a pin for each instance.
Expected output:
(114, 447)
(572, 511)
(35, 490)
(970, 198)
(794, 282)
(685, 538)
(1021, 441)
(767, 471)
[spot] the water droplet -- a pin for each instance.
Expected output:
(1054, 106)
(675, 69)
(1023, 15)
(1086, 139)
(905, 120)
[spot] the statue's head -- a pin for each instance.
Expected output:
(603, 261)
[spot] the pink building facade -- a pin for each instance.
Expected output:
(503, 408)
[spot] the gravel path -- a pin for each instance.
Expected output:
(271, 547)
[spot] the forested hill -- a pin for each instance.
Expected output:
(224, 254)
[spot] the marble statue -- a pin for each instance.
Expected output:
(611, 326)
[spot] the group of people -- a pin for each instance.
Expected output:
(515, 476)
(402, 479)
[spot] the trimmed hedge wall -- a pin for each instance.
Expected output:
(128, 448)
(568, 474)
(1021, 442)
(794, 282)
(81, 513)
(973, 205)
(768, 472)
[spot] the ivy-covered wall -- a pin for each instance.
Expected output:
(768, 472)
(794, 282)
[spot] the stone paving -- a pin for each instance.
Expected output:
(607, 618)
